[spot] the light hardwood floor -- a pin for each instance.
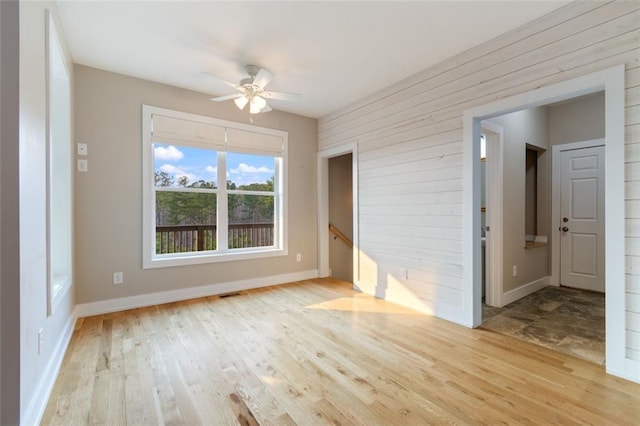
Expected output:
(317, 352)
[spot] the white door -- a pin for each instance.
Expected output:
(493, 213)
(582, 218)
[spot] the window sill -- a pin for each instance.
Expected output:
(180, 259)
(60, 285)
(533, 244)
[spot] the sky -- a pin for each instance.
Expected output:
(201, 164)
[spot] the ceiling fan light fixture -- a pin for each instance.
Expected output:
(241, 102)
(256, 104)
(260, 101)
(253, 109)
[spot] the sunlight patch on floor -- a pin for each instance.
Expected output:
(362, 303)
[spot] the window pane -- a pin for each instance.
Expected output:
(183, 166)
(250, 220)
(250, 172)
(185, 222)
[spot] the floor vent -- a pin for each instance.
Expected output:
(230, 294)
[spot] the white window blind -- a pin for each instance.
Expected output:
(172, 129)
(254, 143)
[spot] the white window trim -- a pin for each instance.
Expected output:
(149, 259)
(58, 285)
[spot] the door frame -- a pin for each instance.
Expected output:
(555, 200)
(612, 82)
(494, 182)
(323, 208)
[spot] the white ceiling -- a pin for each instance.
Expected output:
(332, 53)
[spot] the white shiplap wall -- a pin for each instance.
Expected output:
(409, 138)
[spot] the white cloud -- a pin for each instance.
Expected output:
(244, 168)
(168, 154)
(211, 169)
(169, 168)
(177, 172)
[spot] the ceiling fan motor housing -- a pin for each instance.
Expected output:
(250, 88)
(252, 70)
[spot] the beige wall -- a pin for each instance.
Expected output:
(520, 128)
(36, 369)
(9, 216)
(109, 197)
(341, 216)
(580, 119)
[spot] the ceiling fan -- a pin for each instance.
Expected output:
(251, 91)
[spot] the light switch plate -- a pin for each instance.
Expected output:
(83, 166)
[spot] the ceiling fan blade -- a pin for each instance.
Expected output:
(263, 78)
(228, 97)
(266, 108)
(222, 80)
(281, 96)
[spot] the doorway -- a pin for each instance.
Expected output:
(560, 318)
(341, 217)
(491, 210)
(610, 81)
(325, 235)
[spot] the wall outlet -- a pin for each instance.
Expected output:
(40, 341)
(515, 270)
(118, 278)
(298, 257)
(404, 274)
(83, 149)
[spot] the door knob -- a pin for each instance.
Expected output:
(565, 219)
(565, 228)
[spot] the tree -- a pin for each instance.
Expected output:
(246, 208)
(163, 179)
(184, 208)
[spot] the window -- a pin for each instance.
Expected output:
(59, 180)
(214, 190)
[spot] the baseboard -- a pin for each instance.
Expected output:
(35, 410)
(524, 290)
(140, 301)
(630, 370)
(364, 287)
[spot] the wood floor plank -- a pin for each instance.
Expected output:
(316, 352)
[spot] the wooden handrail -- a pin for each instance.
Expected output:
(340, 235)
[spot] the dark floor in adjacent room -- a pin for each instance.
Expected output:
(565, 319)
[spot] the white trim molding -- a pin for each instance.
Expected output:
(143, 300)
(323, 208)
(35, 410)
(611, 81)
